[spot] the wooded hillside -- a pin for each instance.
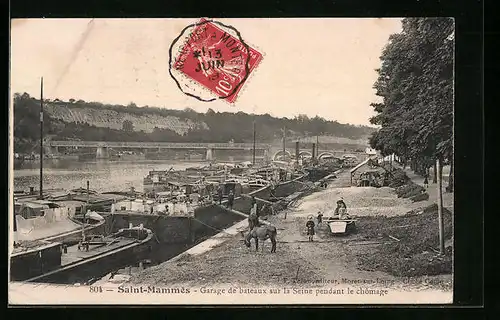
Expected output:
(93, 121)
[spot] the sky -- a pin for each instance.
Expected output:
(323, 67)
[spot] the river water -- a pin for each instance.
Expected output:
(103, 175)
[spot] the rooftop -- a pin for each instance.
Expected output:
(362, 164)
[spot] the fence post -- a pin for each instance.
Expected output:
(440, 205)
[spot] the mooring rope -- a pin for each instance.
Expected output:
(214, 228)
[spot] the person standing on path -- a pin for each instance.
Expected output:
(219, 193)
(426, 182)
(230, 200)
(310, 228)
(253, 219)
(253, 202)
(253, 211)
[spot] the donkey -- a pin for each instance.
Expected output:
(262, 233)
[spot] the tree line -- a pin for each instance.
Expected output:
(415, 86)
(222, 126)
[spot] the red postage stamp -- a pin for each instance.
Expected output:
(215, 57)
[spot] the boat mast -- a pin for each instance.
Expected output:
(41, 138)
(85, 211)
(254, 134)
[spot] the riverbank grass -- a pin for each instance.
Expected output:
(409, 243)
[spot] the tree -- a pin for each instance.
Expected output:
(128, 126)
(415, 84)
(27, 118)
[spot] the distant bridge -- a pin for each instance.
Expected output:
(156, 145)
(102, 146)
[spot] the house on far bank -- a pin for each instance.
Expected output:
(368, 174)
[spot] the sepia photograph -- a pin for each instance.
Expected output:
(196, 161)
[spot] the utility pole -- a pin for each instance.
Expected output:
(440, 204)
(41, 138)
(254, 135)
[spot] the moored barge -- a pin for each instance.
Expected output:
(46, 261)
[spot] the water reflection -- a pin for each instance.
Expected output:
(104, 175)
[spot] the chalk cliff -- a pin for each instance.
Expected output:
(114, 119)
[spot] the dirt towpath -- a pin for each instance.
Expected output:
(326, 261)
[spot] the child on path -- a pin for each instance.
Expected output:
(310, 228)
(320, 217)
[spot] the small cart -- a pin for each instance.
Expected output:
(340, 225)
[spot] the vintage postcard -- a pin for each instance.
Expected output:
(231, 161)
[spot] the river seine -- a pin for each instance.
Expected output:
(103, 175)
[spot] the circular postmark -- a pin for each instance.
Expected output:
(209, 60)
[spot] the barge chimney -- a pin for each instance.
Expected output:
(297, 150)
(284, 143)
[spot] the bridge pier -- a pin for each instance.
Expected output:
(209, 156)
(102, 153)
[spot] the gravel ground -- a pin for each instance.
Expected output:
(296, 260)
(361, 201)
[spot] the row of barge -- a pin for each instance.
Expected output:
(69, 235)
